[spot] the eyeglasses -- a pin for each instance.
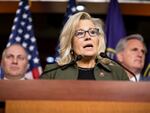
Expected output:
(93, 32)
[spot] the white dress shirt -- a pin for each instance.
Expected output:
(137, 76)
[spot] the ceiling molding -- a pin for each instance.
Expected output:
(140, 9)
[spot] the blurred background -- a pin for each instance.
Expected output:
(48, 16)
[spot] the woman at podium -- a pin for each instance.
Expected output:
(82, 40)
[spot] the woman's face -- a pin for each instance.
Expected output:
(85, 40)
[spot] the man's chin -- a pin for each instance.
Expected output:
(15, 75)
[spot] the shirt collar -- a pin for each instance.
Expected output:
(137, 77)
(16, 79)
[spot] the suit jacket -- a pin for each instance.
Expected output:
(102, 71)
(142, 78)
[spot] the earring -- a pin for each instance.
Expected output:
(71, 52)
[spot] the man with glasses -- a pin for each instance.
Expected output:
(81, 42)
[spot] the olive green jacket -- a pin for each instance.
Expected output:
(102, 71)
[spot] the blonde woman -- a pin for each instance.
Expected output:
(82, 36)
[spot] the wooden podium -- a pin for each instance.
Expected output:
(64, 96)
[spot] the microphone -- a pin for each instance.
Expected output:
(103, 55)
(77, 58)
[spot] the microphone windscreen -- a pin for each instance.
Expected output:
(103, 55)
(79, 57)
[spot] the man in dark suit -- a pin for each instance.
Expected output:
(130, 52)
(14, 62)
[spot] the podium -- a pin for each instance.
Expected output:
(75, 96)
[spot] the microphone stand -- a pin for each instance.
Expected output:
(79, 57)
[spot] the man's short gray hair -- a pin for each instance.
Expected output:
(122, 42)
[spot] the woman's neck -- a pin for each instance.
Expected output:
(86, 63)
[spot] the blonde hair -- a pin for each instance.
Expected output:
(67, 35)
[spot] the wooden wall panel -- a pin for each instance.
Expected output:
(140, 9)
